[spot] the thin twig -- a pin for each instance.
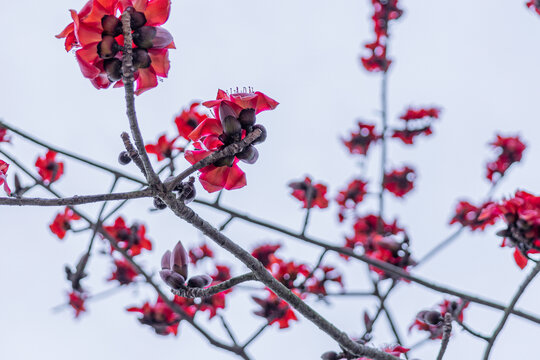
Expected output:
(255, 335)
(228, 330)
(471, 331)
(213, 290)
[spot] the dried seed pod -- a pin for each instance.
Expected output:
(433, 317)
(199, 281)
(187, 191)
(329, 355)
(150, 37)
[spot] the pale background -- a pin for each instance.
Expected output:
(477, 59)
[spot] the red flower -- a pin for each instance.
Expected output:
(421, 113)
(351, 197)
(367, 226)
(417, 122)
(188, 120)
(97, 31)
(311, 195)
(522, 216)
(534, 5)
(400, 181)
(4, 137)
(133, 239)
(377, 60)
(389, 250)
(453, 307)
(361, 140)
(4, 166)
(76, 301)
(467, 215)
(238, 112)
(510, 151)
(317, 283)
(213, 303)
(289, 272)
(188, 305)
(199, 253)
(163, 149)
(61, 223)
(266, 254)
(223, 273)
(125, 273)
(160, 317)
(275, 310)
(49, 169)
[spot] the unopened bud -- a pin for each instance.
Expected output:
(137, 18)
(174, 280)
(263, 135)
(141, 59)
(199, 281)
(329, 355)
(226, 110)
(166, 260)
(232, 127)
(124, 158)
(433, 317)
(108, 47)
(247, 118)
(111, 25)
(179, 260)
(113, 68)
(150, 37)
(248, 155)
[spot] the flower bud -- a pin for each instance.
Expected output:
(150, 37)
(113, 67)
(111, 25)
(199, 281)
(433, 317)
(226, 110)
(141, 59)
(247, 118)
(187, 191)
(124, 158)
(159, 204)
(174, 280)
(137, 18)
(248, 155)
(226, 161)
(263, 135)
(179, 260)
(232, 128)
(108, 47)
(166, 260)
(329, 355)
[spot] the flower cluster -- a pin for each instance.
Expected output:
(96, 31)
(432, 321)
(360, 140)
(351, 197)
(275, 310)
(309, 194)
(4, 166)
(132, 239)
(164, 148)
(49, 168)
(159, 316)
(416, 122)
(510, 151)
(384, 12)
(522, 216)
(468, 215)
(62, 222)
(235, 117)
(399, 181)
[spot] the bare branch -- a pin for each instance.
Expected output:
(447, 330)
(213, 290)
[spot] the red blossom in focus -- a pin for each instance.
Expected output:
(4, 166)
(4, 137)
(417, 122)
(510, 151)
(275, 310)
(361, 140)
(124, 273)
(61, 223)
(189, 119)
(76, 301)
(310, 194)
(159, 316)
(198, 253)
(96, 32)
(133, 239)
(534, 5)
(351, 197)
(522, 216)
(400, 181)
(266, 254)
(467, 215)
(320, 279)
(164, 148)
(211, 136)
(49, 169)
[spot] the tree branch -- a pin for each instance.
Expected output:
(213, 290)
(447, 330)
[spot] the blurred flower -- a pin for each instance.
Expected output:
(189, 119)
(361, 140)
(164, 148)
(62, 222)
(159, 316)
(275, 310)
(467, 215)
(265, 254)
(76, 301)
(124, 273)
(4, 166)
(49, 169)
(132, 239)
(510, 151)
(310, 194)
(399, 181)
(198, 253)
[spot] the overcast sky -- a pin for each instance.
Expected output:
(479, 62)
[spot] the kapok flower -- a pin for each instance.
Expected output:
(235, 119)
(4, 166)
(368, 226)
(417, 122)
(62, 222)
(320, 279)
(400, 181)
(189, 119)
(124, 273)
(289, 273)
(76, 301)
(187, 304)
(510, 151)
(351, 197)
(96, 31)
(534, 5)
(4, 137)
(266, 254)
(310, 194)
(522, 216)
(467, 215)
(275, 310)
(432, 322)
(198, 253)
(164, 148)
(361, 140)
(213, 303)
(133, 239)
(223, 273)
(49, 169)
(420, 113)
(159, 316)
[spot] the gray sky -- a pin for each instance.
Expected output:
(475, 60)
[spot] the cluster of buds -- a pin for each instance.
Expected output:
(174, 270)
(432, 321)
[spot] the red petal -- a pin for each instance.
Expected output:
(157, 12)
(521, 260)
(85, 57)
(147, 80)
(236, 178)
(160, 61)
(207, 127)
